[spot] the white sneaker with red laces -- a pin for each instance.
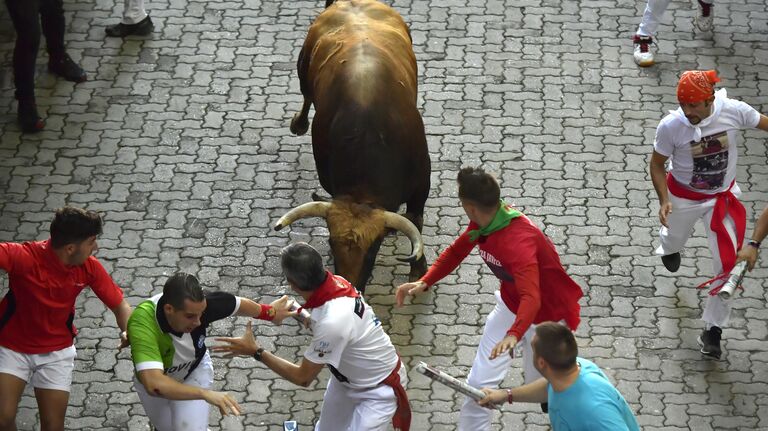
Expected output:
(704, 17)
(643, 53)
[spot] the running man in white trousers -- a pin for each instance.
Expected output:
(367, 390)
(701, 138)
(654, 11)
(534, 286)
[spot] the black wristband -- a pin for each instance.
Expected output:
(257, 355)
(753, 243)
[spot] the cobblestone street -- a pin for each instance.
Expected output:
(181, 140)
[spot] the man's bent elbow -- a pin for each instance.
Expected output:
(304, 383)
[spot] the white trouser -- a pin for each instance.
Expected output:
(171, 415)
(51, 370)
(347, 409)
(654, 11)
(489, 373)
(133, 11)
(685, 214)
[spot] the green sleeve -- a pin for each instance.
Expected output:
(144, 335)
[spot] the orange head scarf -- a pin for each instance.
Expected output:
(696, 86)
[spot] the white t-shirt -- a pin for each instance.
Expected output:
(707, 166)
(350, 340)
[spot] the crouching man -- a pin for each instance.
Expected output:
(367, 391)
(174, 372)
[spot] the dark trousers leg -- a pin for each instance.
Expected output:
(52, 18)
(26, 21)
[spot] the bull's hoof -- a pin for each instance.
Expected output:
(299, 124)
(418, 269)
(317, 198)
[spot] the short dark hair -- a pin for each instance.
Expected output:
(302, 266)
(72, 225)
(556, 344)
(479, 187)
(180, 287)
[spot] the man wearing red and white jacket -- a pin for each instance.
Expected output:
(367, 390)
(534, 285)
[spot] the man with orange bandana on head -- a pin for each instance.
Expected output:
(701, 138)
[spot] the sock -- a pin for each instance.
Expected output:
(706, 8)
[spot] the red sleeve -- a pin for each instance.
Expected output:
(527, 285)
(8, 252)
(449, 259)
(103, 285)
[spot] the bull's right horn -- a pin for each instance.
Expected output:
(309, 209)
(398, 222)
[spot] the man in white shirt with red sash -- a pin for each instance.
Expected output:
(367, 390)
(701, 138)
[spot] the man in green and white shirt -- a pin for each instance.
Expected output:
(173, 368)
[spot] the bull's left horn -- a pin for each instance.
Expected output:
(398, 222)
(309, 209)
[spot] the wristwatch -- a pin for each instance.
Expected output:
(509, 396)
(753, 243)
(257, 355)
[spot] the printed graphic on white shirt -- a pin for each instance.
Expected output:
(710, 161)
(349, 339)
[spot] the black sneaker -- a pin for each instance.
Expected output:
(66, 68)
(141, 28)
(545, 407)
(29, 119)
(671, 262)
(709, 340)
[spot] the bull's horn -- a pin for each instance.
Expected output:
(309, 209)
(398, 222)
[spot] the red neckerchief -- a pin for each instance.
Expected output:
(402, 418)
(726, 204)
(333, 287)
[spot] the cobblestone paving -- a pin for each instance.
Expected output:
(182, 140)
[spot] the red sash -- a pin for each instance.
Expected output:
(402, 418)
(726, 204)
(333, 287)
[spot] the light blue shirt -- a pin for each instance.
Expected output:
(591, 403)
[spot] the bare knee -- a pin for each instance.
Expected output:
(8, 420)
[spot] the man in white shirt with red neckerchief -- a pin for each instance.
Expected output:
(701, 139)
(366, 392)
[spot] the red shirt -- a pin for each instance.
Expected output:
(36, 315)
(534, 284)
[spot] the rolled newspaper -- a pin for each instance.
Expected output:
(734, 280)
(303, 317)
(450, 381)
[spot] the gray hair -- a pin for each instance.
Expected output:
(302, 266)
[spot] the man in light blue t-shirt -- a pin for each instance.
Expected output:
(580, 396)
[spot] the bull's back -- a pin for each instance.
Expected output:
(368, 136)
(366, 44)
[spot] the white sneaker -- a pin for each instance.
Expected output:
(704, 17)
(643, 54)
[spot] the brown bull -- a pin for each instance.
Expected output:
(358, 69)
